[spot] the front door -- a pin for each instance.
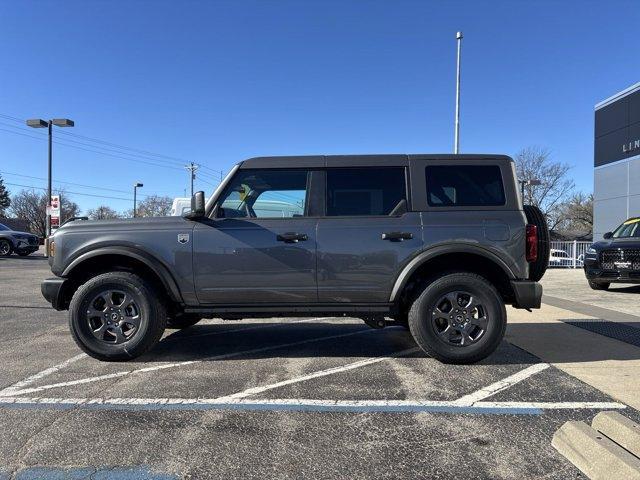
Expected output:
(367, 234)
(261, 246)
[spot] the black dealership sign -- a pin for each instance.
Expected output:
(617, 130)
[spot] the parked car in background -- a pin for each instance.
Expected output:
(559, 258)
(22, 243)
(180, 206)
(616, 259)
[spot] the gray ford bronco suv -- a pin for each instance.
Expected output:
(437, 244)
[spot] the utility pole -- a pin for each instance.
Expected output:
(192, 167)
(456, 139)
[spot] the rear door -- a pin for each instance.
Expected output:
(261, 247)
(367, 231)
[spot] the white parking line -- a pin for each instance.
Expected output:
(500, 385)
(318, 374)
(189, 362)
(296, 404)
(16, 388)
(12, 389)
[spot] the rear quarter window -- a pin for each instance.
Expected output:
(464, 186)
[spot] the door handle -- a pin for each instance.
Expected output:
(397, 236)
(292, 237)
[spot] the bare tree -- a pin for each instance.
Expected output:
(153, 206)
(5, 200)
(32, 206)
(535, 163)
(102, 212)
(577, 215)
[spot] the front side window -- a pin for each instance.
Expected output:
(464, 186)
(366, 191)
(265, 194)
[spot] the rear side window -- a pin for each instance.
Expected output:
(366, 191)
(464, 186)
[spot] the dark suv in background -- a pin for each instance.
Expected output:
(616, 259)
(22, 243)
(437, 244)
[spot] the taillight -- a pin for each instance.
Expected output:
(532, 243)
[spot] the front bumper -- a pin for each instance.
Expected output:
(527, 294)
(595, 273)
(53, 291)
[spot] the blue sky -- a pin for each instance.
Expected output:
(216, 82)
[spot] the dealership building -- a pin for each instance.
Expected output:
(616, 189)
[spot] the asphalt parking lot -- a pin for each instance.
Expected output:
(272, 398)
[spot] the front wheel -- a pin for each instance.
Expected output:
(116, 316)
(458, 318)
(5, 248)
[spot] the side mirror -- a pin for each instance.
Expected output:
(608, 235)
(197, 206)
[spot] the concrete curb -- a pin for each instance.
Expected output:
(594, 454)
(620, 429)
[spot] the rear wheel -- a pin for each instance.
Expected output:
(5, 248)
(116, 316)
(599, 286)
(536, 217)
(458, 318)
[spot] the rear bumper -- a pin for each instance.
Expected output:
(52, 290)
(527, 294)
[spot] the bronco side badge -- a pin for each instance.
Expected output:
(183, 238)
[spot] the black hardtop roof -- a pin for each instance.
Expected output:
(362, 160)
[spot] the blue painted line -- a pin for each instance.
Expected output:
(86, 473)
(463, 410)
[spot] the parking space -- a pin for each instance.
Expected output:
(281, 398)
(571, 285)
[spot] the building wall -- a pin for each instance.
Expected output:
(616, 187)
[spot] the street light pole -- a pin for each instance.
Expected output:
(49, 181)
(40, 123)
(135, 190)
(456, 135)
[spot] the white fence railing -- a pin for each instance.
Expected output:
(568, 254)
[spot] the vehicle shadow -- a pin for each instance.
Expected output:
(28, 258)
(627, 289)
(234, 340)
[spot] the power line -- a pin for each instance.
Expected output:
(92, 151)
(174, 160)
(73, 193)
(74, 184)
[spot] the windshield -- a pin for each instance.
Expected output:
(628, 229)
(4, 228)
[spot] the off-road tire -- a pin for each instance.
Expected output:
(598, 285)
(153, 316)
(183, 321)
(4, 251)
(424, 332)
(536, 217)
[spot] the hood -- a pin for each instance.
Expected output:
(632, 242)
(124, 224)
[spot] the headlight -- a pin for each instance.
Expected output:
(591, 250)
(52, 248)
